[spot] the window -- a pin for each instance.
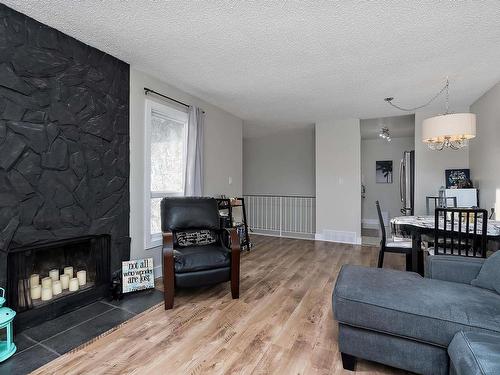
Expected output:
(166, 138)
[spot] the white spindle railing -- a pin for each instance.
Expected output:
(286, 216)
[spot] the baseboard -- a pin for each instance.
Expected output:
(308, 237)
(338, 236)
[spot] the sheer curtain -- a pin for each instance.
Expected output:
(194, 156)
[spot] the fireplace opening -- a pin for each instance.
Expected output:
(51, 279)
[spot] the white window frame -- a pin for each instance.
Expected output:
(152, 240)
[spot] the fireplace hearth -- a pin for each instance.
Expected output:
(27, 266)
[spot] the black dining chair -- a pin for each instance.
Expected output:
(460, 232)
(450, 202)
(400, 247)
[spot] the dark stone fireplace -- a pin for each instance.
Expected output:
(64, 145)
(89, 253)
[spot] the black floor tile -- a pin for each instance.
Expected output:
(22, 342)
(140, 301)
(66, 321)
(26, 361)
(80, 334)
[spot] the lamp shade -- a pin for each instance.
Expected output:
(451, 127)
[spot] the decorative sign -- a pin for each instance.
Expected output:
(138, 275)
(458, 178)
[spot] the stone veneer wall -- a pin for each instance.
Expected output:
(64, 139)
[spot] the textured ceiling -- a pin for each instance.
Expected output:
(399, 126)
(295, 61)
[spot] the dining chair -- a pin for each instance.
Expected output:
(450, 202)
(400, 246)
(460, 232)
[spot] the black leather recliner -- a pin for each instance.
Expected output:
(195, 252)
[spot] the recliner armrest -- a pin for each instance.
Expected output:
(453, 268)
(235, 262)
(168, 270)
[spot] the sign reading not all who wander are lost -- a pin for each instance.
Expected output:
(138, 275)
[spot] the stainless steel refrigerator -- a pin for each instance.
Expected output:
(407, 183)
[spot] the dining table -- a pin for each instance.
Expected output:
(415, 227)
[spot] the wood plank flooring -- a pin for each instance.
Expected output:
(281, 324)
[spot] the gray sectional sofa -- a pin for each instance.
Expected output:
(438, 324)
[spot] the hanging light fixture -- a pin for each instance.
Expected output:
(384, 133)
(449, 130)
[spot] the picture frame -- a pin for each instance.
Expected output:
(383, 172)
(457, 178)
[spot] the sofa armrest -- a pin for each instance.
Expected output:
(453, 268)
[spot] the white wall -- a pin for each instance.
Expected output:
(430, 165)
(280, 163)
(388, 194)
(338, 181)
(485, 149)
(222, 154)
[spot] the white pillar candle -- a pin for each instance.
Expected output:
(34, 280)
(46, 293)
(36, 292)
(54, 275)
(46, 282)
(64, 281)
(82, 277)
(68, 271)
(56, 287)
(73, 285)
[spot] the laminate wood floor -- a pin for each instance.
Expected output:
(281, 324)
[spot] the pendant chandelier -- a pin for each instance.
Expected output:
(449, 130)
(384, 134)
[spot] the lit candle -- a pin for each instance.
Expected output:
(54, 275)
(68, 271)
(82, 277)
(73, 285)
(46, 293)
(46, 282)
(34, 280)
(36, 292)
(56, 287)
(64, 281)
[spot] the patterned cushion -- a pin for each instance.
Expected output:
(196, 237)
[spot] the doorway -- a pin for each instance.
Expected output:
(383, 143)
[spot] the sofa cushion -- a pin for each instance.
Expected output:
(199, 258)
(407, 305)
(473, 353)
(489, 275)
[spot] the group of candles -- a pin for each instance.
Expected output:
(54, 284)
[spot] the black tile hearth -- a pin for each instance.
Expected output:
(80, 334)
(66, 321)
(45, 342)
(140, 301)
(26, 361)
(23, 342)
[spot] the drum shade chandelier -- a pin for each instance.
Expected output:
(449, 130)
